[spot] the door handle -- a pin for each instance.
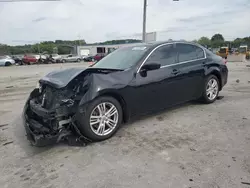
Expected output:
(175, 72)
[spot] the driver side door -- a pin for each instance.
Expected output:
(150, 90)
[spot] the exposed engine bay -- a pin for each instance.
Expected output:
(50, 112)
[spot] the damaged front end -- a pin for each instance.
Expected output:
(49, 113)
(53, 110)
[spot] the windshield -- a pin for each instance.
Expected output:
(122, 58)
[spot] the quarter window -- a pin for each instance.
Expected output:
(188, 52)
(165, 55)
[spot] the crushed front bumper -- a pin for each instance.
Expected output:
(31, 125)
(41, 134)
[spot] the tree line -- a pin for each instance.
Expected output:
(66, 46)
(218, 40)
(57, 46)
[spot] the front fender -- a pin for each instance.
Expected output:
(100, 85)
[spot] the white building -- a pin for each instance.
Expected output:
(99, 49)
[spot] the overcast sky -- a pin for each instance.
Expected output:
(100, 20)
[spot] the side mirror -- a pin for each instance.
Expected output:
(150, 66)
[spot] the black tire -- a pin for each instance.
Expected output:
(83, 119)
(7, 64)
(63, 61)
(78, 60)
(205, 99)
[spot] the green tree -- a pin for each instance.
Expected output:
(217, 40)
(204, 41)
(63, 50)
(217, 37)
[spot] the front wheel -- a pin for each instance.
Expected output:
(7, 64)
(211, 89)
(101, 119)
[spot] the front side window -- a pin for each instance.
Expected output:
(164, 55)
(188, 52)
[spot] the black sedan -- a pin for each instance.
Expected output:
(92, 103)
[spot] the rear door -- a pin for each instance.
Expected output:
(190, 70)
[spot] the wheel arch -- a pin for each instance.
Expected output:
(7, 63)
(122, 102)
(216, 73)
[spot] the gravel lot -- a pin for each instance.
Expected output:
(192, 145)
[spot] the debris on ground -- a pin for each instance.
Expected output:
(234, 158)
(220, 97)
(159, 118)
(9, 87)
(6, 143)
(3, 125)
(193, 149)
(245, 183)
(237, 81)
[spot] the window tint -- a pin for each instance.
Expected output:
(164, 55)
(188, 52)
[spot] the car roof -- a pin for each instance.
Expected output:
(157, 43)
(152, 45)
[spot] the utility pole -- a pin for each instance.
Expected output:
(144, 21)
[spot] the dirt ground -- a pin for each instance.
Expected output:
(192, 145)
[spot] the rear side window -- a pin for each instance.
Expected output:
(188, 52)
(164, 55)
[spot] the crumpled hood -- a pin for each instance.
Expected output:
(61, 78)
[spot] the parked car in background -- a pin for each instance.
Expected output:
(92, 102)
(18, 59)
(98, 57)
(6, 61)
(88, 58)
(56, 57)
(71, 58)
(30, 59)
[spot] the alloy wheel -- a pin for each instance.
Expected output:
(104, 119)
(212, 89)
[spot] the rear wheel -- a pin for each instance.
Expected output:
(63, 61)
(7, 64)
(78, 60)
(101, 119)
(211, 89)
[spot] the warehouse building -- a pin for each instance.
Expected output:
(99, 49)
